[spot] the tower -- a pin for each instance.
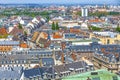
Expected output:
(84, 12)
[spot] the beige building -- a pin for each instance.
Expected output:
(106, 37)
(102, 62)
(69, 23)
(65, 23)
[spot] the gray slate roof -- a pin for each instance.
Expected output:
(10, 72)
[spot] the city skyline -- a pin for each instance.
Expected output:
(61, 1)
(60, 40)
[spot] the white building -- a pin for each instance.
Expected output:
(84, 12)
(84, 26)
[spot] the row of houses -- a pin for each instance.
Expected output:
(44, 73)
(65, 54)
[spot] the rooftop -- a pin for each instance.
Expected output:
(9, 43)
(94, 75)
(107, 33)
(10, 72)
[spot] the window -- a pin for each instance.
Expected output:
(23, 62)
(17, 61)
(108, 41)
(6, 62)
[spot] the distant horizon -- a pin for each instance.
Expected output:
(44, 4)
(60, 3)
(114, 2)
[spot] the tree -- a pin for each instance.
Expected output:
(53, 26)
(48, 18)
(57, 26)
(118, 29)
(32, 15)
(25, 33)
(79, 13)
(95, 28)
(89, 27)
(19, 26)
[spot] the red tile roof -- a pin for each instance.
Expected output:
(23, 45)
(3, 31)
(72, 30)
(57, 35)
(96, 20)
(5, 48)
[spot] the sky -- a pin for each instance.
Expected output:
(63, 1)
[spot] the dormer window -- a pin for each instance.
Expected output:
(96, 49)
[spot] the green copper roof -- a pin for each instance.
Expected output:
(102, 75)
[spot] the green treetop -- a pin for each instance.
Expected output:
(19, 26)
(25, 33)
(53, 26)
(118, 29)
(93, 28)
(57, 26)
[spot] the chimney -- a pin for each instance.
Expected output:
(62, 58)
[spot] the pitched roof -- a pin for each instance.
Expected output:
(47, 61)
(3, 31)
(43, 41)
(5, 48)
(34, 37)
(49, 52)
(16, 31)
(73, 30)
(57, 35)
(96, 20)
(32, 72)
(54, 69)
(23, 45)
(66, 67)
(13, 43)
(44, 35)
(10, 72)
